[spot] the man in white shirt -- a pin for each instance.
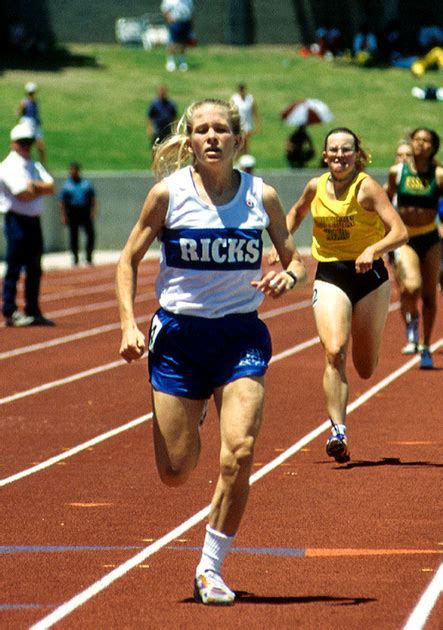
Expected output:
(23, 184)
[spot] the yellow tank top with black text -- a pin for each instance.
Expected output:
(342, 228)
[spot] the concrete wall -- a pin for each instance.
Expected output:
(120, 197)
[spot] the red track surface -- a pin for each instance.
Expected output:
(321, 545)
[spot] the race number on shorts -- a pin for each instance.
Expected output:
(156, 326)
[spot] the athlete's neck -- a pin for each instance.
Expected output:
(338, 181)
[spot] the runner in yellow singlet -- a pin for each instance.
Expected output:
(354, 225)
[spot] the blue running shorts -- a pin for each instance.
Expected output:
(190, 356)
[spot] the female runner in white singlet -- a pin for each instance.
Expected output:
(206, 338)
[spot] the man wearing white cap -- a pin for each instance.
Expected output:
(23, 184)
(28, 111)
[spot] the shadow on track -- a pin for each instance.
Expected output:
(243, 597)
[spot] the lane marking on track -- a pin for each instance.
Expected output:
(426, 603)
(83, 334)
(61, 381)
(109, 287)
(96, 306)
(76, 449)
(16, 549)
(303, 552)
(81, 598)
(299, 552)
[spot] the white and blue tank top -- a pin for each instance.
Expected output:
(210, 254)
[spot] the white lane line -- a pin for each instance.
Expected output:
(75, 450)
(96, 306)
(61, 381)
(89, 276)
(92, 290)
(81, 598)
(426, 603)
(83, 334)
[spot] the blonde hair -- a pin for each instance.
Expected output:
(173, 153)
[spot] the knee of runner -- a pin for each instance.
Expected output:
(336, 355)
(174, 476)
(410, 288)
(239, 457)
(366, 371)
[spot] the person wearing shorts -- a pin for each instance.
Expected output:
(354, 224)
(418, 185)
(206, 338)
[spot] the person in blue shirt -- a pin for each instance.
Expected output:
(161, 113)
(78, 209)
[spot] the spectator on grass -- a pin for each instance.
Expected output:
(23, 184)
(299, 148)
(178, 16)
(161, 113)
(249, 115)
(28, 112)
(391, 44)
(78, 210)
(430, 35)
(329, 41)
(365, 46)
(354, 224)
(206, 338)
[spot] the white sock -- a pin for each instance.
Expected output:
(215, 547)
(338, 428)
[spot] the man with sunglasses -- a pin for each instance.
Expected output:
(23, 184)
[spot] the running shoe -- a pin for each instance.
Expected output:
(411, 335)
(337, 447)
(41, 320)
(410, 348)
(210, 589)
(19, 320)
(426, 362)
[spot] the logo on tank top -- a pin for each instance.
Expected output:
(213, 249)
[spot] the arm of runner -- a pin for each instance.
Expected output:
(294, 273)
(296, 214)
(372, 197)
(391, 185)
(146, 229)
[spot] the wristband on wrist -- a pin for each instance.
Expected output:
(293, 276)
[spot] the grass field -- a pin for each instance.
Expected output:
(95, 112)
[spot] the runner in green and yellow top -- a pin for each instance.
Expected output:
(354, 225)
(418, 185)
